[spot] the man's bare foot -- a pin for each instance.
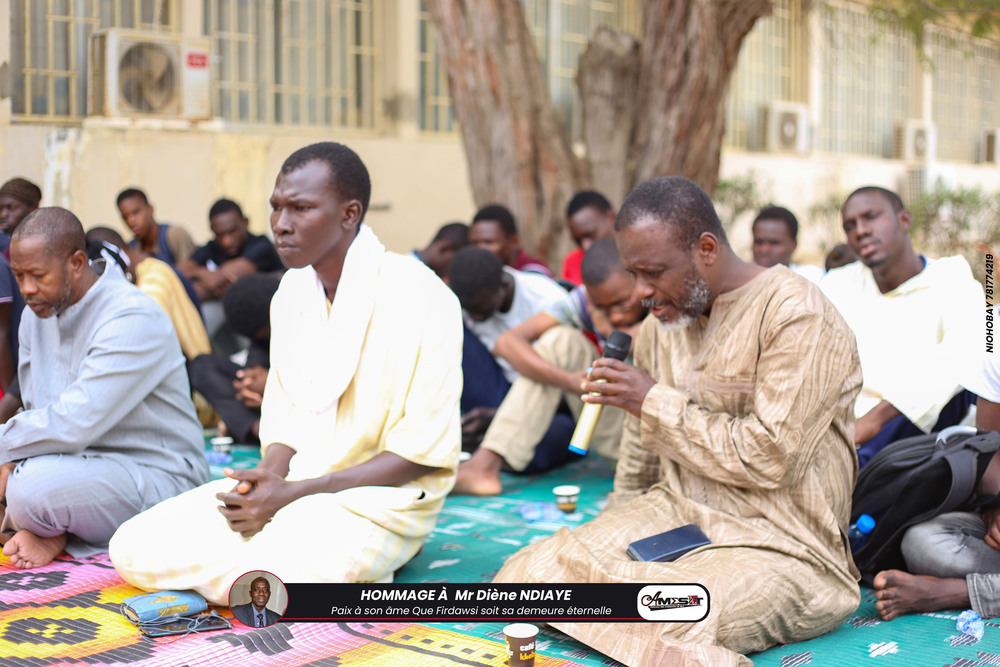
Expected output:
(27, 550)
(223, 429)
(901, 593)
(480, 475)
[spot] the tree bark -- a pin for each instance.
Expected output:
(689, 50)
(608, 79)
(517, 150)
(670, 121)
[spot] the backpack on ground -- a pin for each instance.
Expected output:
(914, 480)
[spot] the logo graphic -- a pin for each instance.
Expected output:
(673, 602)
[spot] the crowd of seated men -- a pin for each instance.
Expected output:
(751, 394)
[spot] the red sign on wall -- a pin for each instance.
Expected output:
(197, 59)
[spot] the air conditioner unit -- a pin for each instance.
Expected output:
(914, 140)
(149, 75)
(991, 149)
(785, 127)
(923, 179)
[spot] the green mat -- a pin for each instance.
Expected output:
(474, 536)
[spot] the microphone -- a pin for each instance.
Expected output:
(616, 347)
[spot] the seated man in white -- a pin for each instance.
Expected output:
(359, 422)
(775, 238)
(109, 428)
(496, 298)
(916, 321)
(552, 352)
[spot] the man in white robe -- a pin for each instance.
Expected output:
(360, 415)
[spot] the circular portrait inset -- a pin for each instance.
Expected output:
(258, 599)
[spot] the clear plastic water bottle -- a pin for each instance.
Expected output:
(859, 531)
(971, 624)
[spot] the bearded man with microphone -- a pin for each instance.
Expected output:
(740, 421)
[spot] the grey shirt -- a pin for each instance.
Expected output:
(106, 377)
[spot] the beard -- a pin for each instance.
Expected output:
(682, 322)
(62, 304)
(695, 303)
(58, 305)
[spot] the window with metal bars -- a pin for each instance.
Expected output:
(296, 62)
(965, 94)
(50, 43)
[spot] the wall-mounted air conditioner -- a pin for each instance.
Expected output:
(914, 140)
(149, 75)
(785, 127)
(923, 179)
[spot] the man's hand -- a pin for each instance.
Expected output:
(991, 517)
(474, 425)
(249, 385)
(214, 283)
(868, 425)
(625, 386)
(9, 405)
(254, 501)
(573, 381)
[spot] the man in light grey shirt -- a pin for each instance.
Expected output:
(109, 428)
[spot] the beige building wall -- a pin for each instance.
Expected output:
(417, 184)
(420, 180)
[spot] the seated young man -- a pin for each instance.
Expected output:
(954, 559)
(215, 266)
(18, 198)
(359, 422)
(233, 253)
(494, 299)
(915, 320)
(589, 218)
(740, 410)
(446, 242)
(169, 243)
(552, 357)
(494, 229)
(109, 428)
(236, 391)
(775, 238)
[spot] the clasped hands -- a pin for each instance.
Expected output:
(249, 385)
(624, 386)
(254, 501)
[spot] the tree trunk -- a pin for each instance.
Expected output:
(670, 121)
(608, 79)
(518, 153)
(689, 50)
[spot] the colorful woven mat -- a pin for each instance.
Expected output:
(67, 612)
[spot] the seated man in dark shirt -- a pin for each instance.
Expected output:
(234, 253)
(236, 391)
